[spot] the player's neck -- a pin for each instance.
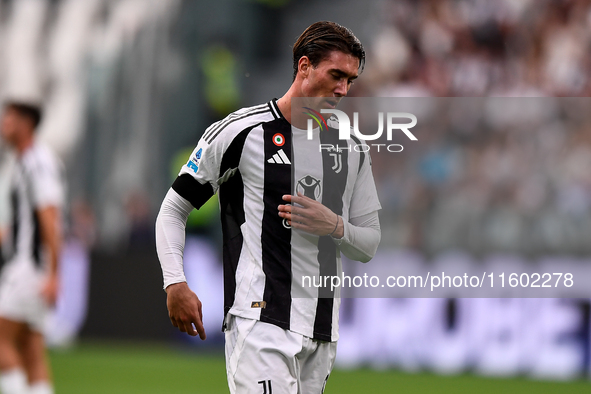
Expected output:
(284, 105)
(23, 145)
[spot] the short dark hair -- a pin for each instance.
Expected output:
(321, 38)
(27, 110)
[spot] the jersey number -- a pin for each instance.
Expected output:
(267, 389)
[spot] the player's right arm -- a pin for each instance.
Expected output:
(197, 182)
(184, 307)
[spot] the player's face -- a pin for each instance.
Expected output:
(331, 79)
(10, 125)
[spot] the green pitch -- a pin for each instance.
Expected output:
(146, 369)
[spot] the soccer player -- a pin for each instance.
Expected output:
(286, 207)
(29, 278)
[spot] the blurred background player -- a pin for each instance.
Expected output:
(29, 278)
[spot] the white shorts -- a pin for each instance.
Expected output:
(20, 294)
(262, 358)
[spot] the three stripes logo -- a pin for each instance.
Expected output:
(279, 158)
(258, 304)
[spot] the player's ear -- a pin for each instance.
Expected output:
(304, 66)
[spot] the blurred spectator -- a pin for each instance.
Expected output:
(480, 48)
(141, 223)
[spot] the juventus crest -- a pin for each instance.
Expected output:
(338, 161)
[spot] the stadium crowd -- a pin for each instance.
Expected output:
(513, 179)
(519, 48)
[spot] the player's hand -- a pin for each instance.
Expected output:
(50, 289)
(184, 309)
(311, 216)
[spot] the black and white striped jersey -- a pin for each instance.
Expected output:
(252, 158)
(37, 182)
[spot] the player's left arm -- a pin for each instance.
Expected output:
(361, 237)
(358, 238)
(306, 214)
(51, 238)
(362, 234)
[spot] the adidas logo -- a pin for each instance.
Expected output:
(279, 158)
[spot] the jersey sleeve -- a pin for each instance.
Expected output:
(204, 163)
(365, 196)
(46, 182)
(200, 178)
